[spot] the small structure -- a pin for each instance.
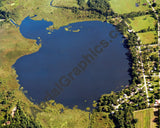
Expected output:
(7, 123)
(145, 4)
(130, 30)
(13, 111)
(125, 95)
(137, 5)
(150, 89)
(132, 93)
(157, 101)
(2, 20)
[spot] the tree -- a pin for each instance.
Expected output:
(154, 4)
(81, 3)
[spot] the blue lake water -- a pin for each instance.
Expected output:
(74, 68)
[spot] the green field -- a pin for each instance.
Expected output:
(127, 6)
(142, 22)
(148, 37)
(145, 118)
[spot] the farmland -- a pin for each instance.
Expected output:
(142, 22)
(145, 118)
(123, 6)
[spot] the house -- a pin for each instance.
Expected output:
(2, 20)
(150, 89)
(7, 123)
(132, 94)
(125, 95)
(13, 111)
(130, 30)
(157, 101)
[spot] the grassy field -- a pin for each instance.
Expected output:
(145, 118)
(127, 6)
(59, 16)
(148, 37)
(142, 22)
(54, 117)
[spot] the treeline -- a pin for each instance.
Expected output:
(136, 14)
(122, 27)
(81, 3)
(101, 6)
(123, 116)
(17, 120)
(20, 120)
(132, 43)
(4, 15)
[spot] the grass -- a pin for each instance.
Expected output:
(142, 22)
(99, 122)
(69, 118)
(148, 37)
(145, 118)
(127, 6)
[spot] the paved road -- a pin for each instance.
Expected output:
(144, 78)
(158, 34)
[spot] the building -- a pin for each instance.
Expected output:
(129, 30)
(2, 20)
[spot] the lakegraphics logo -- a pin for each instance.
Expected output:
(66, 79)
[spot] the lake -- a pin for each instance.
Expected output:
(76, 64)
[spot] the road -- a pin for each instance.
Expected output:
(144, 78)
(158, 35)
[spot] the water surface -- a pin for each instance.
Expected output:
(74, 68)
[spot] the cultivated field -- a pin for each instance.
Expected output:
(145, 118)
(148, 37)
(142, 22)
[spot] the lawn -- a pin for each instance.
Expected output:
(127, 6)
(148, 37)
(145, 118)
(142, 22)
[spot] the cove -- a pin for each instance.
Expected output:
(72, 67)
